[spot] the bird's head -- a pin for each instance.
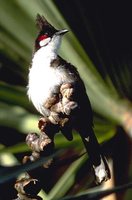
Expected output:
(48, 36)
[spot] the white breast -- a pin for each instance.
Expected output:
(43, 80)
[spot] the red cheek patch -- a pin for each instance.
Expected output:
(42, 37)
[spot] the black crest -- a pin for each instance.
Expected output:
(43, 24)
(45, 28)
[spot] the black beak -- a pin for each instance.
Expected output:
(61, 32)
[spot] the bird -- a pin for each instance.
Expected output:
(58, 93)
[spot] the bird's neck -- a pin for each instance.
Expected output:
(48, 50)
(44, 56)
(48, 53)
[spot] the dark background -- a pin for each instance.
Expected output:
(104, 28)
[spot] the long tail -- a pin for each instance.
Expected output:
(99, 162)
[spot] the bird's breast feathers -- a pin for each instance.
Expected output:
(45, 80)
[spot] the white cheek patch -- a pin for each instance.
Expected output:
(44, 41)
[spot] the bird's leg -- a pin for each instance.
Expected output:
(67, 91)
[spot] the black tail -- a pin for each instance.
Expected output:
(99, 162)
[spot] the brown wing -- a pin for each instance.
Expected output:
(83, 115)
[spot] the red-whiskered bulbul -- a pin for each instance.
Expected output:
(58, 93)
